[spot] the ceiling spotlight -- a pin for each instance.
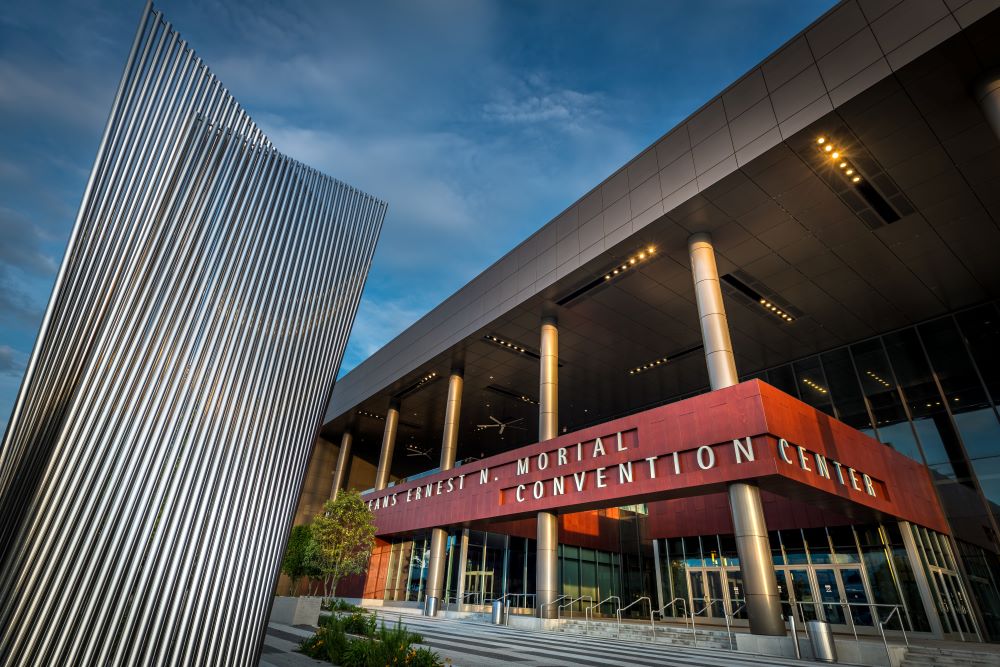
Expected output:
(835, 155)
(821, 140)
(855, 179)
(828, 148)
(849, 172)
(842, 165)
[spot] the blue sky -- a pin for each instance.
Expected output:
(477, 121)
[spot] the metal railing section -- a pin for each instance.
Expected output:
(632, 604)
(570, 603)
(607, 599)
(703, 610)
(896, 610)
(508, 606)
(669, 605)
(730, 616)
(549, 604)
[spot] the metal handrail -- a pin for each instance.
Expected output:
(879, 623)
(631, 604)
(844, 603)
(570, 604)
(885, 643)
(703, 610)
(733, 616)
(541, 608)
(684, 613)
(449, 599)
(607, 599)
(506, 616)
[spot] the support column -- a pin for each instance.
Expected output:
(761, 585)
(920, 577)
(712, 313)
(388, 444)
(659, 575)
(439, 536)
(988, 96)
(546, 560)
(343, 460)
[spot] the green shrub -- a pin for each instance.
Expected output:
(360, 623)
(314, 647)
(337, 604)
(423, 657)
(385, 647)
(333, 632)
(363, 653)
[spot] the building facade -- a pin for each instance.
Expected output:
(151, 466)
(786, 305)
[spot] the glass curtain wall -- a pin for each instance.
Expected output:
(496, 565)
(817, 569)
(931, 393)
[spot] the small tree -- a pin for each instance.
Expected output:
(295, 563)
(343, 537)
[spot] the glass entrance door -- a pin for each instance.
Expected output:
(831, 593)
(822, 591)
(715, 592)
(956, 618)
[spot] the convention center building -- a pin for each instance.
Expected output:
(752, 374)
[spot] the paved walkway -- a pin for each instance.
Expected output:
(471, 644)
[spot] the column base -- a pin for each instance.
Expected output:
(763, 620)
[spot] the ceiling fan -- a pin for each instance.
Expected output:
(501, 425)
(413, 450)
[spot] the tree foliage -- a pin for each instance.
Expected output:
(296, 561)
(343, 535)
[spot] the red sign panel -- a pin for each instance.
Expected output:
(749, 432)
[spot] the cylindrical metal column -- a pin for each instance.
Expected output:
(759, 581)
(343, 460)
(439, 536)
(546, 561)
(388, 444)
(988, 95)
(547, 564)
(548, 381)
(452, 413)
(712, 313)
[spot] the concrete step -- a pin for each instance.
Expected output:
(635, 632)
(932, 656)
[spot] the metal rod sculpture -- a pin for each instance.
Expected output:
(152, 462)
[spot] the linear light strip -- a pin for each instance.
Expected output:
(198, 322)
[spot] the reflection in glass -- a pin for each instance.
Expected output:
(813, 386)
(845, 391)
(930, 418)
(981, 327)
(879, 387)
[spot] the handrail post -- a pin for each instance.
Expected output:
(795, 636)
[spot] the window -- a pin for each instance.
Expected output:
(846, 392)
(879, 387)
